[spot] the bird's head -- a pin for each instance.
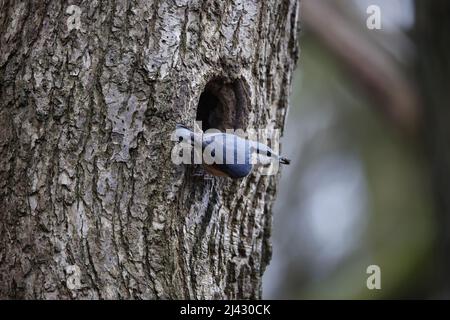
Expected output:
(183, 134)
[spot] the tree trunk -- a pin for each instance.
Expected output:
(91, 204)
(433, 43)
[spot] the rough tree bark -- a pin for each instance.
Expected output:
(90, 204)
(431, 35)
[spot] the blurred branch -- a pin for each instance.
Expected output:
(378, 72)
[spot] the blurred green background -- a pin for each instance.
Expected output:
(359, 190)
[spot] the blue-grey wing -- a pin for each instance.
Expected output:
(235, 151)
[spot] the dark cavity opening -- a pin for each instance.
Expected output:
(223, 105)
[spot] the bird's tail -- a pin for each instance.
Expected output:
(284, 160)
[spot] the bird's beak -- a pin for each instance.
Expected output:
(181, 126)
(285, 161)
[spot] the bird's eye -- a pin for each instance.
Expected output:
(269, 154)
(180, 138)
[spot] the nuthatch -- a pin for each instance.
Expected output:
(225, 145)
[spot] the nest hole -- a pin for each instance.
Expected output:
(223, 105)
